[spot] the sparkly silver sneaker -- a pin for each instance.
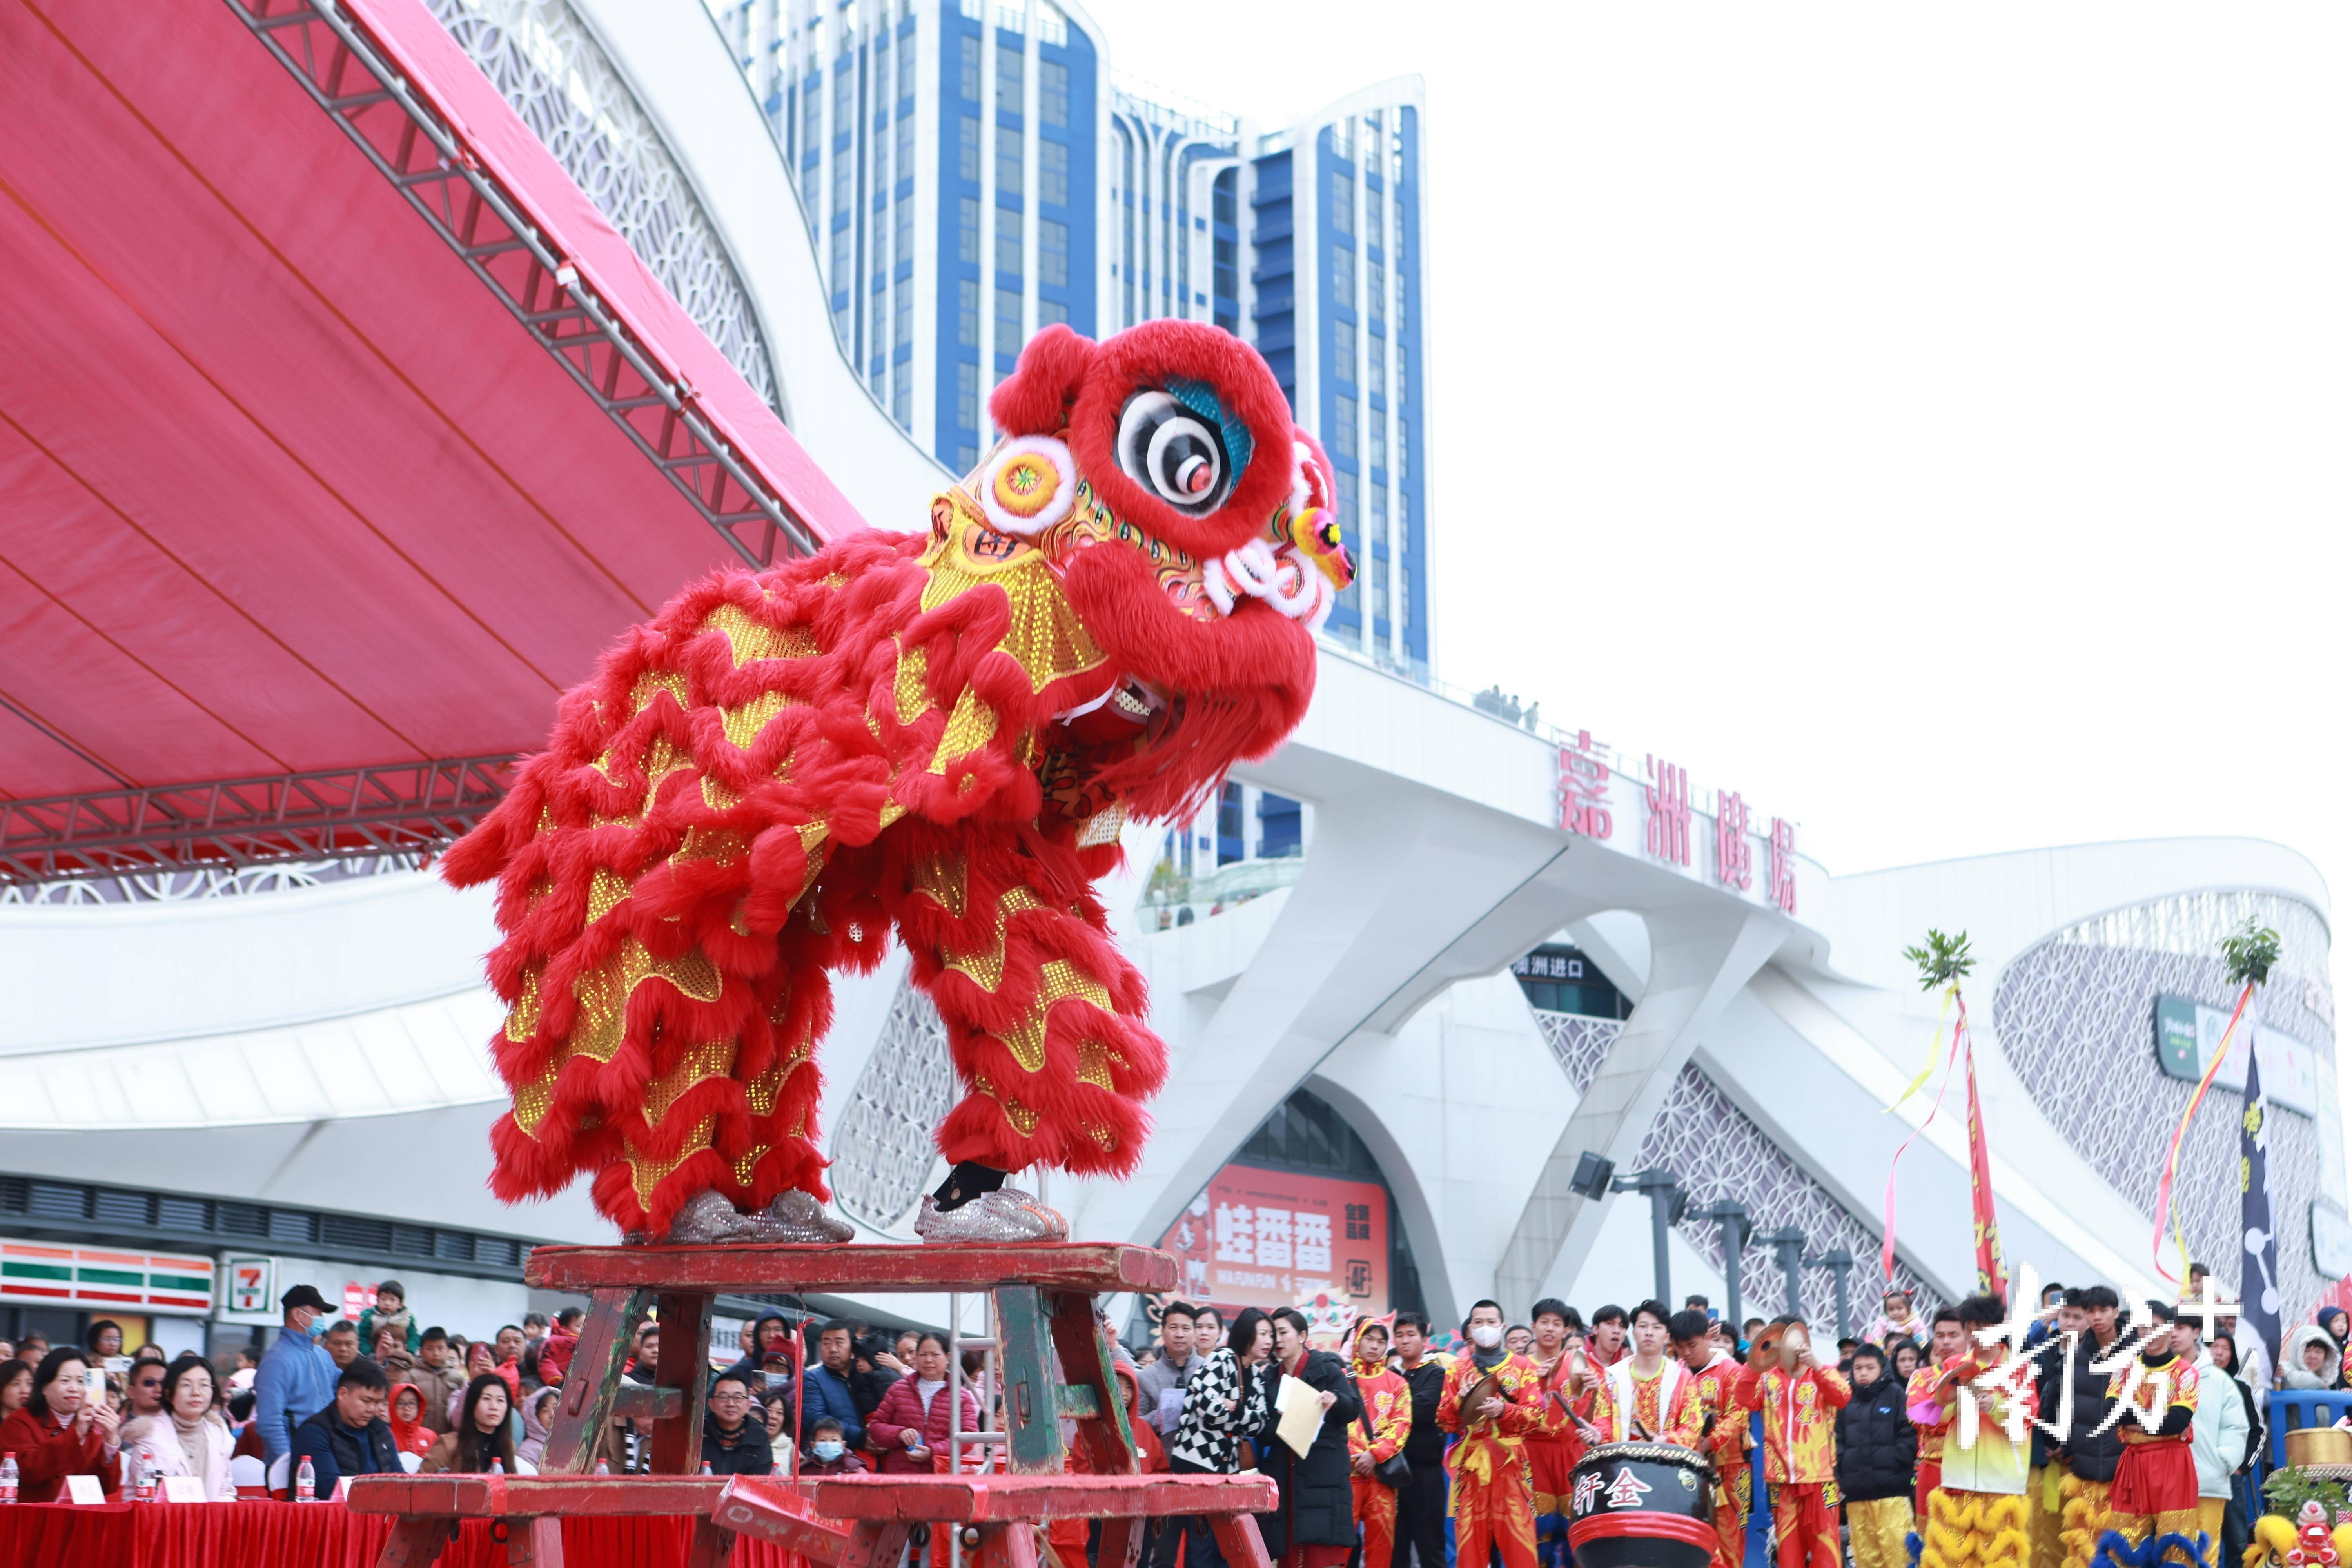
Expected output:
(708, 1217)
(1008, 1213)
(796, 1215)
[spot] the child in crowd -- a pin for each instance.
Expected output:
(828, 1455)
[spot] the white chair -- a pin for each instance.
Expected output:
(412, 1463)
(525, 1467)
(245, 1471)
(281, 1470)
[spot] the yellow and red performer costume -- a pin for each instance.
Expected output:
(1489, 1495)
(2152, 1513)
(1552, 1451)
(1663, 1405)
(1800, 1401)
(1388, 1410)
(938, 734)
(1976, 1515)
(1714, 1391)
(1923, 1399)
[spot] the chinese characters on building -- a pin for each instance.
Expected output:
(1667, 833)
(1735, 863)
(1584, 789)
(1585, 792)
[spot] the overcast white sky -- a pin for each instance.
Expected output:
(1930, 421)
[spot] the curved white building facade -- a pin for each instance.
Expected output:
(1363, 1094)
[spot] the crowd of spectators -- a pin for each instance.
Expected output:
(352, 1397)
(392, 1392)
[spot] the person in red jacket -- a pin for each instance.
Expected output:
(1491, 1499)
(912, 1422)
(61, 1433)
(1552, 1453)
(1799, 1398)
(1388, 1410)
(555, 1354)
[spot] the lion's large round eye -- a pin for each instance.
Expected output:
(1173, 453)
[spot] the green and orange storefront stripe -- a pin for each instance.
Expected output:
(96, 1276)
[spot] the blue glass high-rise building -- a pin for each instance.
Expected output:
(972, 172)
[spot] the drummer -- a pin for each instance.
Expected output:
(1724, 1431)
(1649, 1397)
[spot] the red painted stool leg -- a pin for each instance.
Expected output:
(1238, 1538)
(710, 1546)
(535, 1542)
(414, 1542)
(876, 1543)
(1008, 1546)
(1121, 1545)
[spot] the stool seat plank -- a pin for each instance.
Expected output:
(984, 1499)
(1095, 1268)
(522, 1496)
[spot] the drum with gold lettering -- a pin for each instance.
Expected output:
(1642, 1505)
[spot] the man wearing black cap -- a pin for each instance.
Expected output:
(297, 1379)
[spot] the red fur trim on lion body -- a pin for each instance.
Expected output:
(646, 825)
(1019, 1114)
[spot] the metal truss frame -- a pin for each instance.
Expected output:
(398, 808)
(347, 74)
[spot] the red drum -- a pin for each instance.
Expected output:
(1642, 1505)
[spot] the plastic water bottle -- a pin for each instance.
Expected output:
(142, 1475)
(604, 1468)
(305, 1482)
(706, 1467)
(8, 1478)
(498, 1467)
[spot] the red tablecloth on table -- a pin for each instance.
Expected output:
(312, 1535)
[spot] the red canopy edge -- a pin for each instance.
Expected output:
(591, 276)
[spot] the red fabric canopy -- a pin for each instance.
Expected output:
(283, 486)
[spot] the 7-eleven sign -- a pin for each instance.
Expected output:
(252, 1284)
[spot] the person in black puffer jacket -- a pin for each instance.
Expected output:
(1318, 1497)
(1877, 1448)
(2089, 1454)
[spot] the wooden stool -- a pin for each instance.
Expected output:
(1044, 1293)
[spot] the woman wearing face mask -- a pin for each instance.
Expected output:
(483, 1435)
(186, 1438)
(61, 1432)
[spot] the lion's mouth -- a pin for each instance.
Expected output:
(1129, 699)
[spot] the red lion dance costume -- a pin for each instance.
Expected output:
(940, 733)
